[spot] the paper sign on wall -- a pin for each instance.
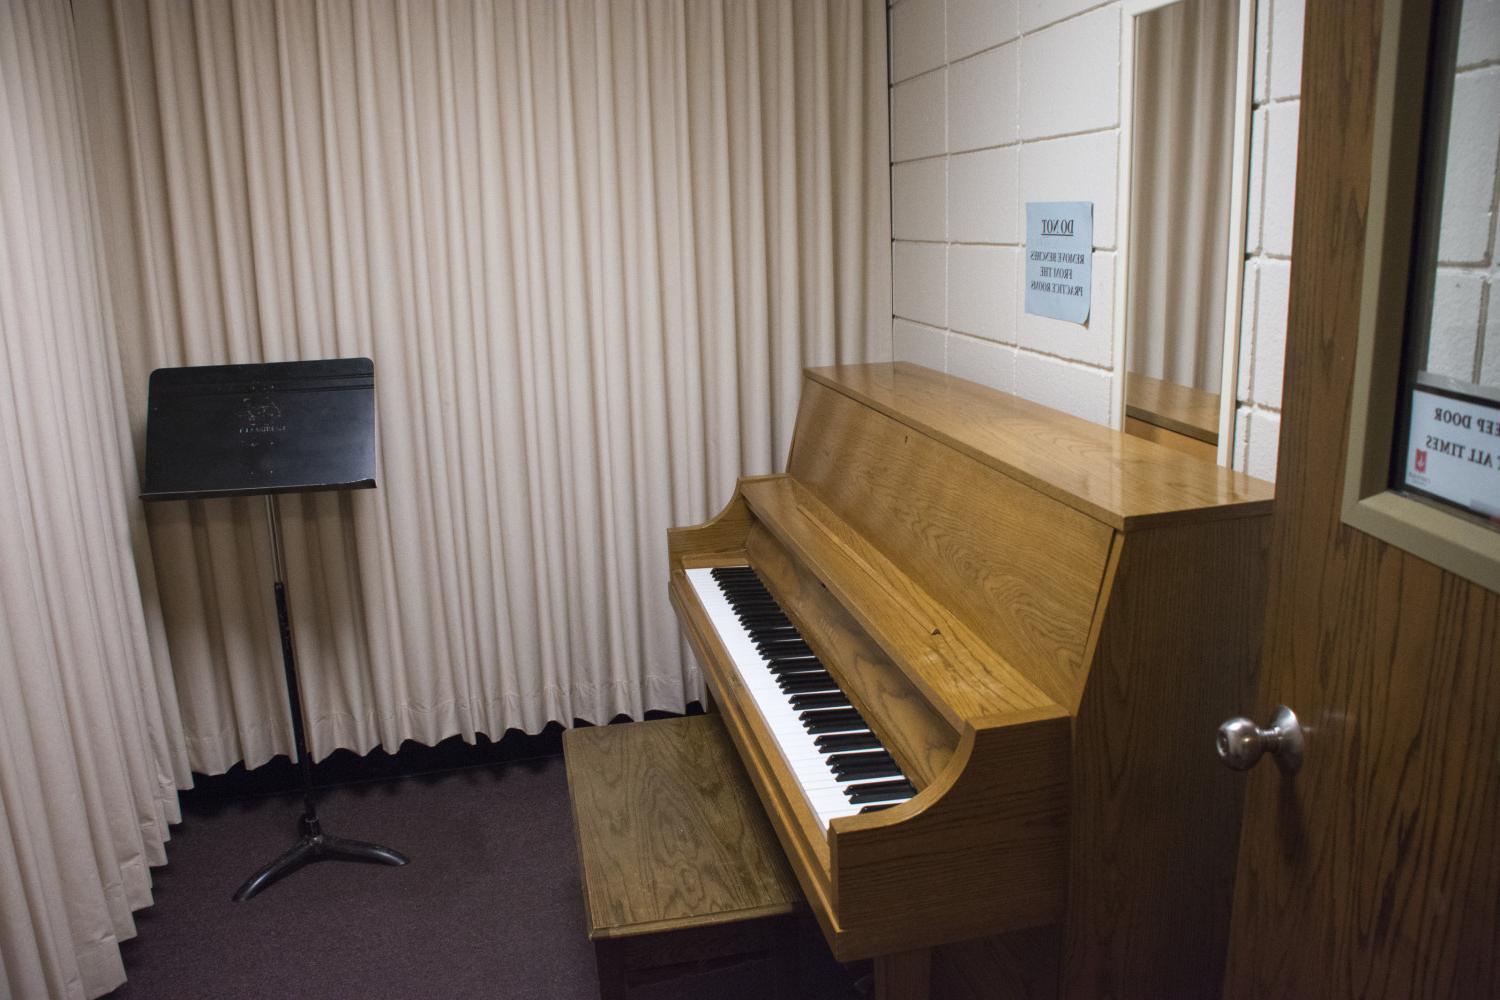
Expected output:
(1453, 450)
(1059, 259)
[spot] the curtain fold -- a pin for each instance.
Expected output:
(91, 749)
(589, 246)
(1180, 190)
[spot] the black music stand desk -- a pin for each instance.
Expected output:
(262, 430)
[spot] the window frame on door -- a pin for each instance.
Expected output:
(1448, 538)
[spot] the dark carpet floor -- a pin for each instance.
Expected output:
(490, 905)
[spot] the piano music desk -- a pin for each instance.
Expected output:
(681, 871)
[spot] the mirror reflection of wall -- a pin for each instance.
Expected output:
(1181, 192)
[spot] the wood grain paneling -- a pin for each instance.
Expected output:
(920, 739)
(1021, 965)
(961, 674)
(669, 831)
(1171, 439)
(1373, 873)
(1120, 480)
(1190, 412)
(1155, 823)
(985, 850)
(967, 535)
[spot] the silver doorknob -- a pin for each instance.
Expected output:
(1241, 742)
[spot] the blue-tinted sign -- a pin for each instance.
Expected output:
(1059, 259)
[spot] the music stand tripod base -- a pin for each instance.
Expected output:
(313, 844)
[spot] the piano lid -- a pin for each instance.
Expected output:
(1121, 480)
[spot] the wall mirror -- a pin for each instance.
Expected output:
(1184, 150)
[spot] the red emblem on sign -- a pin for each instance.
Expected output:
(1421, 460)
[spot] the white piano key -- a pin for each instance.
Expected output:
(808, 764)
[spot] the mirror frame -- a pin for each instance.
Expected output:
(1239, 185)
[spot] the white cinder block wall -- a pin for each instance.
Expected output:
(995, 103)
(1268, 233)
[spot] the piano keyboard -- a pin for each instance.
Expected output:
(839, 763)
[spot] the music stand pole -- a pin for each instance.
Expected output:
(313, 844)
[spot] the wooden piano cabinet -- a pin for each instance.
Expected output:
(1042, 620)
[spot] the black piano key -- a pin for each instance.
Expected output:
(892, 796)
(769, 631)
(824, 688)
(794, 674)
(831, 720)
(798, 662)
(764, 636)
(834, 699)
(761, 620)
(765, 621)
(792, 689)
(794, 671)
(759, 613)
(863, 757)
(788, 655)
(806, 680)
(849, 714)
(836, 742)
(741, 583)
(821, 688)
(880, 791)
(817, 726)
(758, 610)
(807, 661)
(794, 646)
(877, 807)
(866, 772)
(824, 726)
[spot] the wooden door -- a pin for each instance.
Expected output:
(1375, 872)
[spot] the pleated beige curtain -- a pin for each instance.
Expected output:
(1180, 200)
(589, 246)
(90, 743)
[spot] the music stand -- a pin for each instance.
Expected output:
(252, 430)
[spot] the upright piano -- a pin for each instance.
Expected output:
(972, 652)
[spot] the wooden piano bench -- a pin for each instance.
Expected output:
(681, 871)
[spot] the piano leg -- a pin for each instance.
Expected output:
(905, 975)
